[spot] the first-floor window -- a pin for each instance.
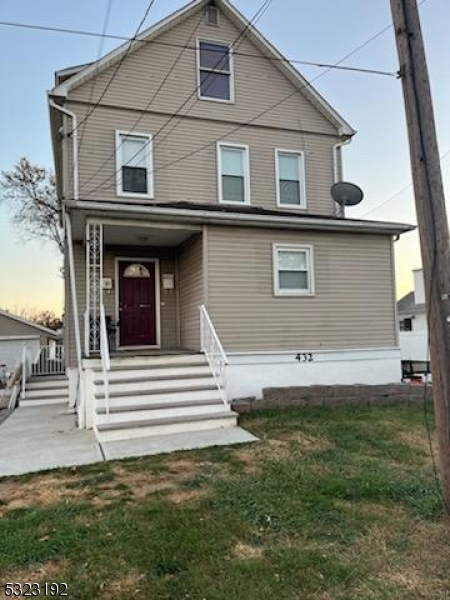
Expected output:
(134, 164)
(234, 178)
(293, 270)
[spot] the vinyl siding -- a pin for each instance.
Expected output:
(169, 301)
(296, 124)
(259, 84)
(191, 292)
(195, 179)
(353, 305)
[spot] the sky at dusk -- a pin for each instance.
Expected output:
(320, 31)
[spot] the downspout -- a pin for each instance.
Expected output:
(339, 171)
(76, 319)
(74, 136)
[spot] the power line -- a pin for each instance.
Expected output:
(294, 61)
(237, 43)
(99, 54)
(108, 85)
(258, 116)
(393, 197)
(255, 18)
(139, 119)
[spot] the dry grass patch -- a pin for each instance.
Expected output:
(39, 492)
(306, 443)
(34, 573)
(287, 447)
(246, 552)
(419, 439)
(130, 585)
(186, 496)
(144, 483)
(418, 568)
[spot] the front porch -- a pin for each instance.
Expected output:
(146, 360)
(149, 279)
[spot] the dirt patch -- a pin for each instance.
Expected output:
(131, 584)
(185, 496)
(247, 552)
(34, 573)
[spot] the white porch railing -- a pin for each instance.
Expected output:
(214, 352)
(50, 361)
(104, 354)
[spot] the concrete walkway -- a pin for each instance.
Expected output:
(46, 437)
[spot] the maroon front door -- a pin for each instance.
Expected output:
(137, 304)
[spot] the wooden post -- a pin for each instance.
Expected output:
(431, 215)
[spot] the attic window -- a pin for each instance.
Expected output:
(212, 15)
(215, 71)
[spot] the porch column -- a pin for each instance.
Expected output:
(94, 291)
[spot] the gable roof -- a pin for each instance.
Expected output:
(290, 72)
(407, 306)
(41, 328)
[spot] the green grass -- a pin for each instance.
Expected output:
(330, 504)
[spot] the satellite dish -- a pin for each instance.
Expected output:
(347, 194)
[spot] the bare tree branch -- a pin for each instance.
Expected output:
(29, 191)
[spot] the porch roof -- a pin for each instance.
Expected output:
(190, 214)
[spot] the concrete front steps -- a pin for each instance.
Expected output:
(158, 395)
(45, 390)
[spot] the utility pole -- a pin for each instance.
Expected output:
(431, 215)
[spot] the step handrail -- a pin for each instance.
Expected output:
(213, 350)
(104, 355)
(25, 371)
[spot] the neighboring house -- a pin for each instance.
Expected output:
(17, 332)
(224, 203)
(412, 317)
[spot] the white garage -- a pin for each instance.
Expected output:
(11, 348)
(15, 332)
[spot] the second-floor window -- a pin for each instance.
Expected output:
(290, 170)
(234, 173)
(134, 165)
(215, 76)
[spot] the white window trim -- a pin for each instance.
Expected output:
(231, 58)
(149, 164)
(310, 265)
(301, 158)
(246, 149)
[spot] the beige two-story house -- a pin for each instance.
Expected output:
(206, 258)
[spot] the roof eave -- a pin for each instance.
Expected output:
(242, 219)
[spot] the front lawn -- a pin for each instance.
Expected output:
(330, 505)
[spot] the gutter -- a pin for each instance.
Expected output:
(241, 219)
(72, 115)
(338, 170)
